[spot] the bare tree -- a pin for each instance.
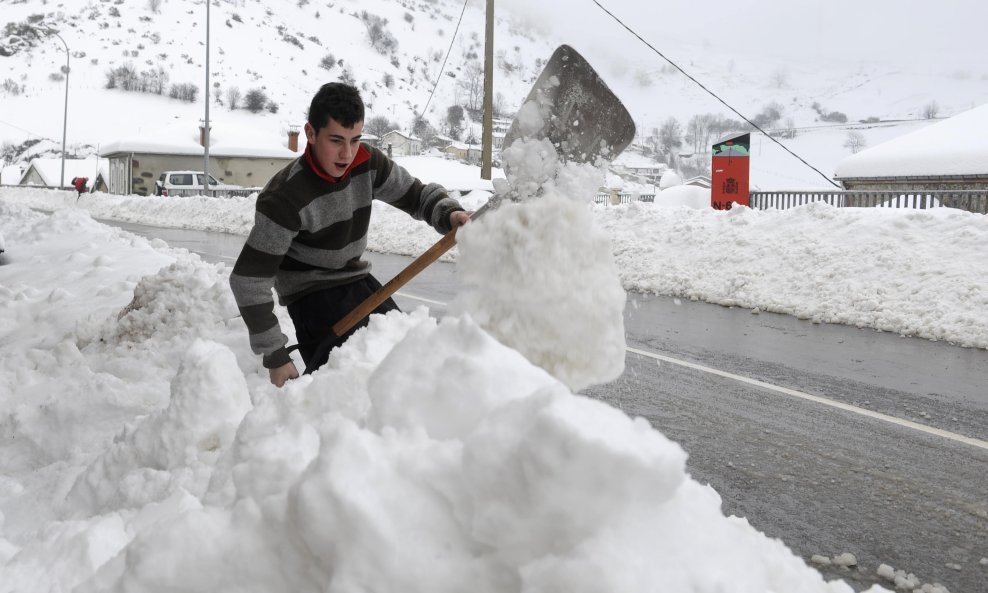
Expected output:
(454, 121)
(233, 97)
(931, 110)
(789, 128)
(423, 130)
(472, 84)
(671, 135)
(699, 129)
(780, 78)
(379, 125)
(855, 141)
(154, 5)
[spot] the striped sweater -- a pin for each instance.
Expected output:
(310, 231)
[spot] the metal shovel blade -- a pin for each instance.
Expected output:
(571, 106)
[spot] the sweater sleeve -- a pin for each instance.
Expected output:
(396, 186)
(252, 280)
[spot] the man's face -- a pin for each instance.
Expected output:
(334, 146)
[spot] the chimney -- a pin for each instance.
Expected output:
(202, 132)
(293, 138)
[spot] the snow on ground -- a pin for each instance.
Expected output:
(144, 449)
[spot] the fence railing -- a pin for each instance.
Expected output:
(605, 198)
(972, 200)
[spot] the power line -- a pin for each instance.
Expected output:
(443, 67)
(712, 94)
(25, 131)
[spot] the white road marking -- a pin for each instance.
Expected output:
(818, 399)
(423, 299)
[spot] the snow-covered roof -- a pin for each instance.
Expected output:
(452, 175)
(956, 146)
(50, 169)
(194, 149)
(636, 160)
(465, 146)
(402, 134)
(11, 174)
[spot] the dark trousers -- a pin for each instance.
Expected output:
(315, 314)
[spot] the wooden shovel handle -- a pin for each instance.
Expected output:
(402, 278)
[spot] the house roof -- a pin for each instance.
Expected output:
(452, 175)
(464, 146)
(635, 160)
(50, 169)
(194, 149)
(397, 133)
(957, 146)
(11, 174)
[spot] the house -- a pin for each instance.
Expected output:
(950, 155)
(499, 128)
(47, 172)
(394, 143)
(134, 165)
(630, 164)
(468, 153)
(370, 139)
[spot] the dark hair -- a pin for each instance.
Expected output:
(336, 100)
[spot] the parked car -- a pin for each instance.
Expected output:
(189, 183)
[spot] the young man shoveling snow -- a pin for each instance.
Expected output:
(310, 230)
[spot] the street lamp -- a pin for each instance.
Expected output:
(205, 99)
(65, 115)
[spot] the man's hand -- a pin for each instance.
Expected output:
(458, 218)
(283, 373)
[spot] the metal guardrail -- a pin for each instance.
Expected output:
(608, 199)
(972, 200)
(212, 193)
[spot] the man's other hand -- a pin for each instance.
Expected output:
(283, 373)
(458, 218)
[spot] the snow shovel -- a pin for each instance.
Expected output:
(571, 106)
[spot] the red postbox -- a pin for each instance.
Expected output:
(729, 170)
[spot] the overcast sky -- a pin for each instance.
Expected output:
(947, 34)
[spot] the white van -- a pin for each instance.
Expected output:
(189, 183)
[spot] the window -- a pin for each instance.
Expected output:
(182, 179)
(212, 180)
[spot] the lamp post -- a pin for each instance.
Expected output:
(205, 99)
(65, 115)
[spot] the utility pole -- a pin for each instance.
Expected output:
(205, 99)
(488, 135)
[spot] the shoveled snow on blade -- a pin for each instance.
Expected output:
(540, 275)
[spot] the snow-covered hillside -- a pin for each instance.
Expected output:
(394, 50)
(284, 49)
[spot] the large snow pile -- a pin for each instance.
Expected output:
(144, 450)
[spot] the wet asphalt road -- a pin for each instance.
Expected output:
(824, 479)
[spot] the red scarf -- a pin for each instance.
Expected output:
(362, 156)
